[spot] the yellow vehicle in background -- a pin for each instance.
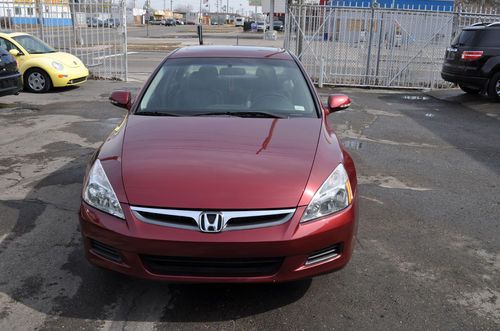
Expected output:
(41, 65)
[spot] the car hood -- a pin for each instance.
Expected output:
(217, 162)
(67, 59)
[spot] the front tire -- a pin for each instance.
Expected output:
(37, 81)
(469, 90)
(494, 87)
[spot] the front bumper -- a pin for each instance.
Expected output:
(69, 77)
(289, 245)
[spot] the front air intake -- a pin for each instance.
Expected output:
(324, 254)
(105, 251)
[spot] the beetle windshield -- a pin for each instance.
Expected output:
(33, 45)
(229, 86)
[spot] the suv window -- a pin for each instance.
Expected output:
(485, 38)
(465, 38)
(490, 38)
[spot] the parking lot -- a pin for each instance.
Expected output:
(427, 254)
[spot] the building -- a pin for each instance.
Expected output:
(31, 12)
(433, 5)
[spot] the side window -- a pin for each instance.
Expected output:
(7, 45)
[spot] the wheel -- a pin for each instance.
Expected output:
(494, 87)
(469, 90)
(37, 81)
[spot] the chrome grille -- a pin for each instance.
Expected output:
(232, 220)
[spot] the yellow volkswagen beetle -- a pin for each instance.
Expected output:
(42, 66)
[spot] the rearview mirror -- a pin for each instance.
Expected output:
(121, 99)
(14, 52)
(338, 102)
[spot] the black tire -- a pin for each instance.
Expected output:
(494, 87)
(469, 90)
(37, 80)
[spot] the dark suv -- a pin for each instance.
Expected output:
(11, 81)
(473, 60)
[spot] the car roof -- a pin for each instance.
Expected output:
(483, 26)
(232, 51)
(14, 34)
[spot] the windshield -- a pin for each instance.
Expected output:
(229, 86)
(33, 45)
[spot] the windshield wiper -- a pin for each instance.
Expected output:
(156, 113)
(259, 114)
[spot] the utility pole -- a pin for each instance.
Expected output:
(302, 27)
(200, 15)
(147, 17)
(39, 9)
(271, 15)
(217, 5)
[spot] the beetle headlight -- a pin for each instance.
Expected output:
(98, 192)
(56, 65)
(335, 194)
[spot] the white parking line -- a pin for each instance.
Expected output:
(108, 56)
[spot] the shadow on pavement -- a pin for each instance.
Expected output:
(455, 121)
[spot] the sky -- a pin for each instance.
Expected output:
(237, 5)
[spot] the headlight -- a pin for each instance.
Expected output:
(335, 194)
(99, 193)
(56, 65)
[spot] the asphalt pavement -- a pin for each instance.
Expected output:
(427, 253)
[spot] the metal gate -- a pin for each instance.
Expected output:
(94, 31)
(374, 46)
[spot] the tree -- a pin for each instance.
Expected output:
(184, 8)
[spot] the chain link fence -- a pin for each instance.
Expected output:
(93, 30)
(371, 46)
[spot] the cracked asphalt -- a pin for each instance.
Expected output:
(427, 256)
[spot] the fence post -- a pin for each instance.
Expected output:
(76, 34)
(381, 28)
(302, 28)
(39, 8)
(125, 37)
(455, 25)
(321, 72)
(372, 19)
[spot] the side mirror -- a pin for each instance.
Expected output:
(14, 52)
(122, 99)
(338, 102)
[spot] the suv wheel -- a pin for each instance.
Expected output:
(469, 90)
(494, 87)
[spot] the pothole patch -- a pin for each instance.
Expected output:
(18, 110)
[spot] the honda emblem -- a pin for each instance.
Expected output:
(211, 222)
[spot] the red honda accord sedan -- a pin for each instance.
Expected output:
(224, 170)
